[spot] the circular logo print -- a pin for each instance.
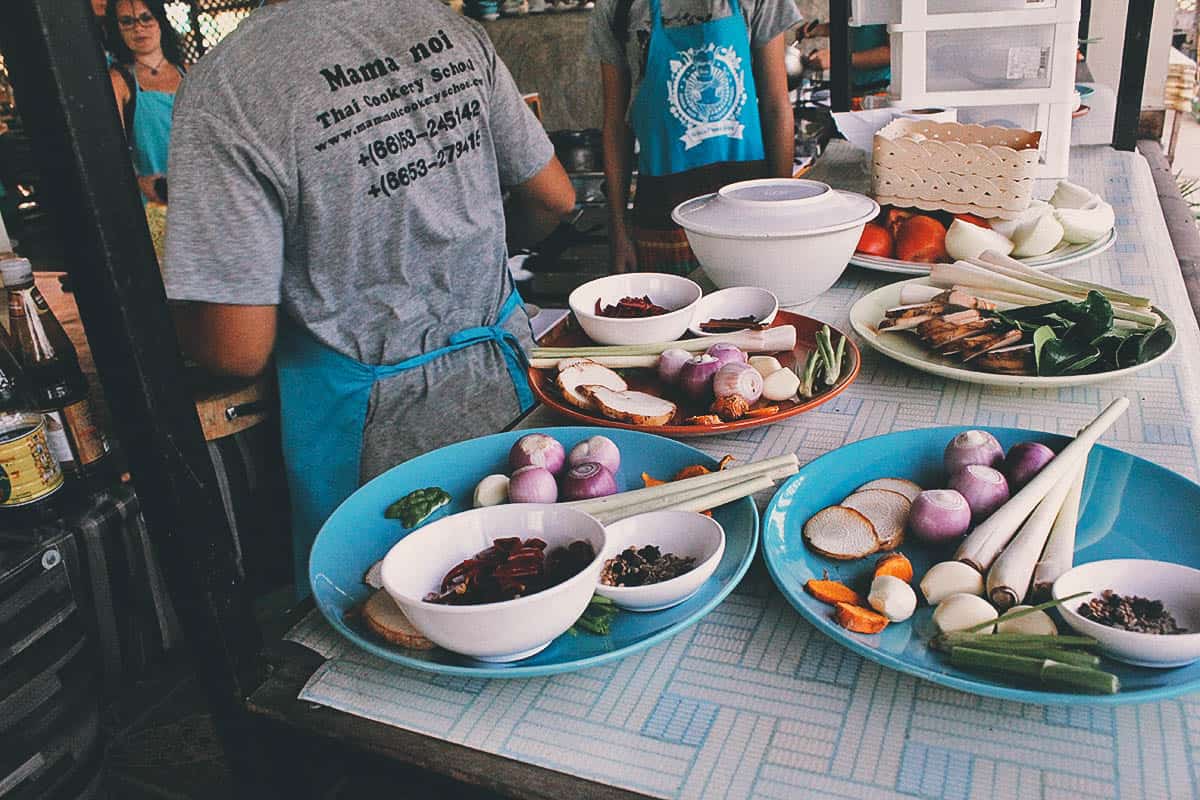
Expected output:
(707, 89)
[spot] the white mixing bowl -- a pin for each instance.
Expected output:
(793, 237)
(505, 631)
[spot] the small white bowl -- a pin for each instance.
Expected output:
(684, 533)
(497, 632)
(1177, 586)
(734, 303)
(673, 292)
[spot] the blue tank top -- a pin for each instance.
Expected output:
(151, 136)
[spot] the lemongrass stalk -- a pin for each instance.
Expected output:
(612, 362)
(1058, 555)
(997, 296)
(700, 499)
(1010, 266)
(917, 294)
(968, 276)
(777, 468)
(769, 340)
(1009, 577)
(984, 544)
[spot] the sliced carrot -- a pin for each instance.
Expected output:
(725, 462)
(649, 481)
(704, 419)
(833, 592)
(859, 619)
(896, 565)
(694, 471)
(765, 411)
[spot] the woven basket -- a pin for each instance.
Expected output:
(948, 166)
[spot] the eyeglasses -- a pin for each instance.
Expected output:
(145, 19)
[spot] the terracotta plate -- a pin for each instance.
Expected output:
(568, 334)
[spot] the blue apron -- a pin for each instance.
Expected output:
(697, 103)
(150, 138)
(323, 399)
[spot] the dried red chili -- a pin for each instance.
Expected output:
(630, 307)
(510, 568)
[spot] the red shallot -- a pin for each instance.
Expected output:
(740, 379)
(532, 485)
(588, 480)
(537, 450)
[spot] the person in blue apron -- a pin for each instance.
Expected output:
(701, 86)
(346, 214)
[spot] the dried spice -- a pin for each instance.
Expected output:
(510, 568)
(1131, 613)
(728, 324)
(631, 307)
(638, 566)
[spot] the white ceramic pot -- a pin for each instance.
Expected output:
(498, 632)
(673, 292)
(790, 236)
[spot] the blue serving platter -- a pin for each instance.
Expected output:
(1131, 508)
(357, 535)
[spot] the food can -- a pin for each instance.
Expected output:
(29, 472)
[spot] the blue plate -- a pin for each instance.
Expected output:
(357, 535)
(1131, 509)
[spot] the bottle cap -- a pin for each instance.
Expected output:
(15, 271)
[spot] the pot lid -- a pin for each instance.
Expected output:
(774, 207)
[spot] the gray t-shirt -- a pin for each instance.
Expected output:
(345, 160)
(766, 19)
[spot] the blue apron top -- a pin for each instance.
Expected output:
(151, 135)
(323, 400)
(697, 103)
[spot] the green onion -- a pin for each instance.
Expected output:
(1048, 672)
(1025, 612)
(810, 373)
(834, 370)
(1009, 641)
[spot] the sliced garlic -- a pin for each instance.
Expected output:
(892, 597)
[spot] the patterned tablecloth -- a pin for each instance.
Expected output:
(753, 702)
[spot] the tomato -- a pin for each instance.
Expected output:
(894, 218)
(875, 241)
(974, 220)
(922, 239)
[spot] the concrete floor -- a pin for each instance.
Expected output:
(1187, 147)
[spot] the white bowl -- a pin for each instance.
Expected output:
(506, 631)
(792, 237)
(734, 303)
(673, 292)
(684, 533)
(1177, 586)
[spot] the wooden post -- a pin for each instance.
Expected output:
(66, 101)
(1138, 20)
(839, 55)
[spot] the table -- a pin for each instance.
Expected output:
(751, 701)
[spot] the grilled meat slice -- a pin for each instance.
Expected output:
(1008, 360)
(963, 299)
(974, 346)
(915, 310)
(938, 333)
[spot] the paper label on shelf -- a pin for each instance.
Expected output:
(56, 437)
(1027, 62)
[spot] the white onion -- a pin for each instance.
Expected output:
(984, 489)
(972, 447)
(538, 450)
(598, 449)
(588, 480)
(532, 485)
(738, 378)
(696, 376)
(670, 362)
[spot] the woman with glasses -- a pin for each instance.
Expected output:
(146, 71)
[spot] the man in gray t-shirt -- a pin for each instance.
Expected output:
(343, 161)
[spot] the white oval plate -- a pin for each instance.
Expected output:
(1060, 256)
(902, 347)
